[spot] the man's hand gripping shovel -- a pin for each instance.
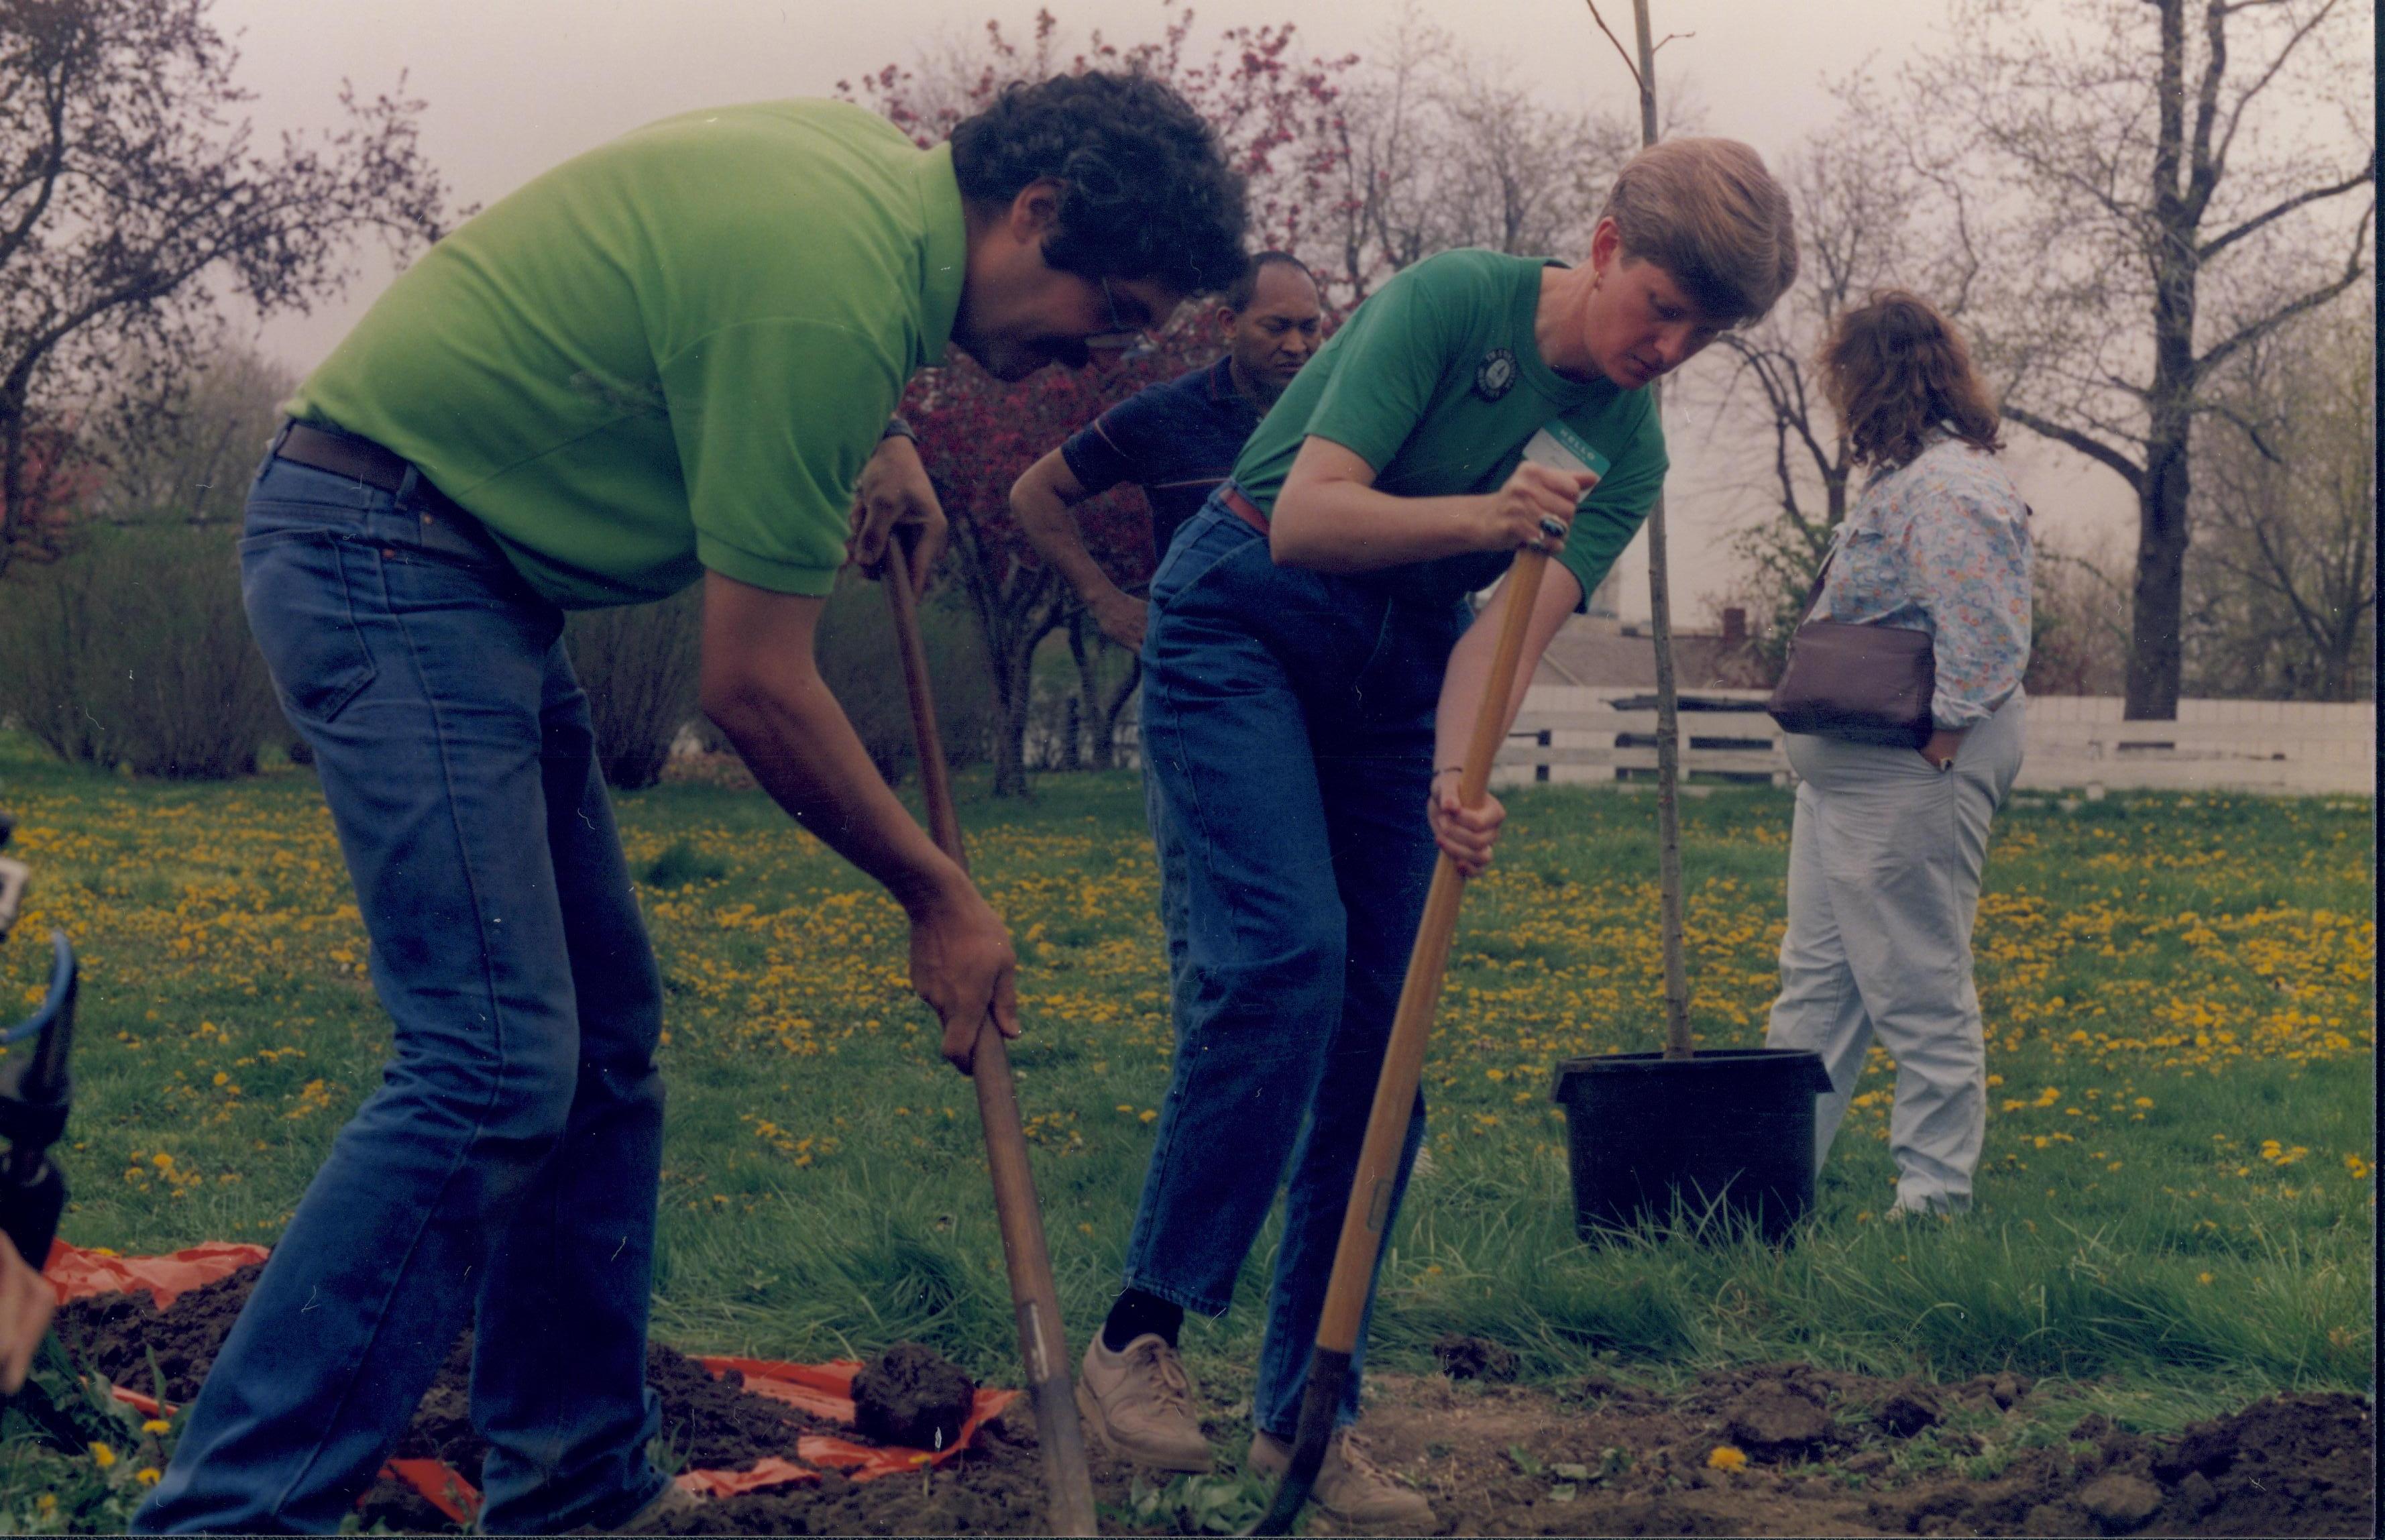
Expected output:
(1042, 1346)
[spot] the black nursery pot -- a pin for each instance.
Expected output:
(1723, 1141)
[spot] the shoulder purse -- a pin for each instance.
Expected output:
(1867, 685)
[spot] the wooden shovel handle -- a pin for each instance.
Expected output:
(1043, 1342)
(1369, 1209)
(1395, 1087)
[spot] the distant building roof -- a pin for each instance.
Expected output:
(1597, 651)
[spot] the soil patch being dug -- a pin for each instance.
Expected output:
(1780, 1450)
(1791, 1449)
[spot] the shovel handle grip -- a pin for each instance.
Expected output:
(1043, 1342)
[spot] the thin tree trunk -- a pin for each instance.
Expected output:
(1084, 712)
(1014, 681)
(1106, 719)
(1678, 1043)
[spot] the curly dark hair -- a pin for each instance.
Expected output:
(1147, 191)
(1892, 367)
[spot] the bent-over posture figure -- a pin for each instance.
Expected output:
(1311, 677)
(667, 362)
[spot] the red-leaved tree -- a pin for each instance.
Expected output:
(1277, 117)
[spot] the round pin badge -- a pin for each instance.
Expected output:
(1495, 375)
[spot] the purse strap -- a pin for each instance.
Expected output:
(1813, 594)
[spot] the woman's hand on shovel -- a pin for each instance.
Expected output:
(963, 966)
(1465, 835)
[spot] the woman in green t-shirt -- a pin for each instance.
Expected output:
(1311, 672)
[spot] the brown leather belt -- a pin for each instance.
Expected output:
(1243, 507)
(360, 459)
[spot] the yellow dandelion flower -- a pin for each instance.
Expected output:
(156, 1425)
(147, 1475)
(102, 1456)
(1725, 1457)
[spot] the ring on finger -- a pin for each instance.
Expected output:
(1553, 526)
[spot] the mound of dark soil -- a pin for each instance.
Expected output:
(116, 1333)
(996, 1488)
(2288, 1465)
(913, 1397)
(708, 1423)
(1822, 1451)
(1469, 1358)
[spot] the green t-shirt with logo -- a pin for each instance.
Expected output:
(672, 353)
(1437, 382)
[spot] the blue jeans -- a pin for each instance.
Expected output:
(1170, 855)
(1288, 720)
(504, 1174)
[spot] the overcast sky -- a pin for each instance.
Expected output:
(515, 86)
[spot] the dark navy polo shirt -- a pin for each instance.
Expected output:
(1176, 440)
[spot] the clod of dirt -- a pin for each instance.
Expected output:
(2120, 1503)
(116, 1333)
(2288, 1465)
(912, 1396)
(2008, 1389)
(1466, 1358)
(1910, 1407)
(1774, 1422)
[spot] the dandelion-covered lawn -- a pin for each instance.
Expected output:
(2179, 1189)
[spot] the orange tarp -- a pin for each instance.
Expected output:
(75, 1272)
(826, 1390)
(823, 1390)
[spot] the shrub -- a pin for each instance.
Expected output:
(135, 651)
(639, 665)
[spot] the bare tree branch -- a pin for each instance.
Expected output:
(2095, 449)
(2361, 178)
(2246, 336)
(1625, 54)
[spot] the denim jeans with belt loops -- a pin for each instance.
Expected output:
(504, 1175)
(1288, 721)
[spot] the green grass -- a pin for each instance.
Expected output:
(2168, 982)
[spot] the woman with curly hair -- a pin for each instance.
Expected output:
(1888, 842)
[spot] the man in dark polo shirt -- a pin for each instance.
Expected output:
(1176, 440)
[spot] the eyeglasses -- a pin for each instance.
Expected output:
(1120, 338)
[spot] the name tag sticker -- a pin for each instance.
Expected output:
(1561, 448)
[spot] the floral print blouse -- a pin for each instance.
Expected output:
(1941, 544)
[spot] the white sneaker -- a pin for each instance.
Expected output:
(1140, 1401)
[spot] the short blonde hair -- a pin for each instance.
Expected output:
(1708, 212)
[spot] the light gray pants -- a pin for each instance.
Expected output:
(1884, 862)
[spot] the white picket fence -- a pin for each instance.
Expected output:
(1578, 734)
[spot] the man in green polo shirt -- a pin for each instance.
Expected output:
(669, 361)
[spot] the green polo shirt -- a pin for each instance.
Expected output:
(1437, 382)
(672, 353)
